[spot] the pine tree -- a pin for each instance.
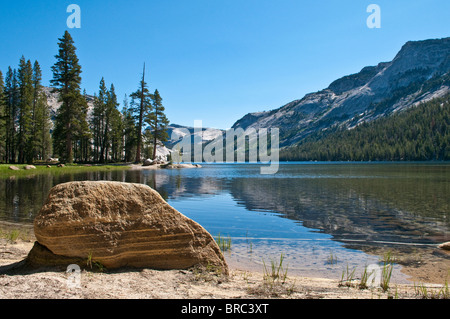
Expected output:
(141, 105)
(70, 121)
(129, 131)
(37, 88)
(84, 134)
(115, 124)
(3, 119)
(43, 142)
(98, 120)
(12, 100)
(158, 122)
(25, 137)
(106, 124)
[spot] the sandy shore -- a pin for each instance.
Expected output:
(49, 283)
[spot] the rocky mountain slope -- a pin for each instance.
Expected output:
(418, 73)
(54, 104)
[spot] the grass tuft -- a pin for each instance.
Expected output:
(223, 243)
(364, 278)
(347, 277)
(432, 293)
(276, 272)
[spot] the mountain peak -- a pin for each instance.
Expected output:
(424, 53)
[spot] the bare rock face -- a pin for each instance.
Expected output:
(122, 225)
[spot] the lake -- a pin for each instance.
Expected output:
(323, 217)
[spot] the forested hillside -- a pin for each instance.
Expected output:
(418, 134)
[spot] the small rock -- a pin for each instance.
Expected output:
(147, 162)
(29, 167)
(445, 246)
(14, 168)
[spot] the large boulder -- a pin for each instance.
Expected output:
(122, 225)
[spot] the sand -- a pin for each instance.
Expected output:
(48, 283)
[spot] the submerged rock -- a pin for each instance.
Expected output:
(122, 225)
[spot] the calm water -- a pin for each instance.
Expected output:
(307, 211)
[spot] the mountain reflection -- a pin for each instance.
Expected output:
(399, 203)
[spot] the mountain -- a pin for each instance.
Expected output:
(418, 73)
(54, 104)
(420, 133)
(177, 132)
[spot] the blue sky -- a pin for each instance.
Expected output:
(216, 60)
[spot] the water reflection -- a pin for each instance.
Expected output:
(390, 202)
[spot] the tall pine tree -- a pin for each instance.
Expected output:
(158, 122)
(37, 98)
(83, 134)
(3, 118)
(141, 104)
(114, 132)
(98, 120)
(26, 95)
(129, 131)
(70, 122)
(42, 122)
(11, 113)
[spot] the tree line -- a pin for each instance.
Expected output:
(30, 133)
(418, 134)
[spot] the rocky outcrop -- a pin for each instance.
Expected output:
(121, 225)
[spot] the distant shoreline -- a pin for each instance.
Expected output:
(41, 168)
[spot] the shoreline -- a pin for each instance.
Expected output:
(162, 166)
(52, 283)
